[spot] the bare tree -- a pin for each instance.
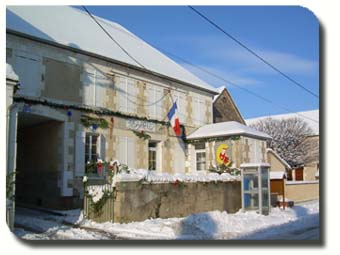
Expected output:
(288, 136)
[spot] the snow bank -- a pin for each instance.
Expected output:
(156, 177)
(220, 225)
(280, 224)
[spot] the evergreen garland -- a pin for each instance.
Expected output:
(213, 139)
(88, 121)
(142, 135)
(83, 108)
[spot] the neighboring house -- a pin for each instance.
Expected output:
(311, 159)
(278, 164)
(224, 108)
(308, 168)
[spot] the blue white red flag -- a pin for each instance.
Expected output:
(174, 120)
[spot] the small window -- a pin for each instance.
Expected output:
(200, 161)
(152, 155)
(200, 157)
(91, 150)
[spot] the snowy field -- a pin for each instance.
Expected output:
(298, 223)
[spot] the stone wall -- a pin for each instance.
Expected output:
(135, 201)
(302, 191)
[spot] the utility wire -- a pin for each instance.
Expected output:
(109, 35)
(238, 86)
(253, 52)
(206, 71)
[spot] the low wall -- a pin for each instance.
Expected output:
(136, 201)
(299, 191)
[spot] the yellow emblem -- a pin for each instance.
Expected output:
(221, 155)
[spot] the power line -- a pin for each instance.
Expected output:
(109, 35)
(208, 72)
(237, 86)
(253, 53)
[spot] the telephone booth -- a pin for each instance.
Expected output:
(255, 187)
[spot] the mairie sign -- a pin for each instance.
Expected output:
(221, 155)
(140, 125)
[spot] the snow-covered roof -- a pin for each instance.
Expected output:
(219, 90)
(250, 165)
(277, 175)
(229, 128)
(307, 116)
(74, 28)
(279, 158)
(10, 74)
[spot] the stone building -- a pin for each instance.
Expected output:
(85, 97)
(70, 77)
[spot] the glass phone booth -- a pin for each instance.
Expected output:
(255, 187)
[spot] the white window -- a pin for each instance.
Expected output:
(89, 147)
(155, 96)
(200, 157)
(181, 100)
(127, 92)
(91, 150)
(127, 151)
(95, 85)
(28, 67)
(199, 110)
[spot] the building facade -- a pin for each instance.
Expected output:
(82, 99)
(63, 89)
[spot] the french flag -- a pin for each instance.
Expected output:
(174, 120)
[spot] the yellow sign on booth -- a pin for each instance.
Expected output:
(221, 155)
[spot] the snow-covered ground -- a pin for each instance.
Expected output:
(299, 222)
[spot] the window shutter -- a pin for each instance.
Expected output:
(181, 104)
(80, 154)
(159, 105)
(202, 112)
(88, 88)
(101, 144)
(27, 66)
(131, 96)
(151, 100)
(102, 83)
(196, 111)
(122, 157)
(121, 94)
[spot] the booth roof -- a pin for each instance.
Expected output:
(229, 128)
(74, 28)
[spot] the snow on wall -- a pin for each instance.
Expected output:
(155, 177)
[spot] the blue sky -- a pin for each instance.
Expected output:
(288, 37)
